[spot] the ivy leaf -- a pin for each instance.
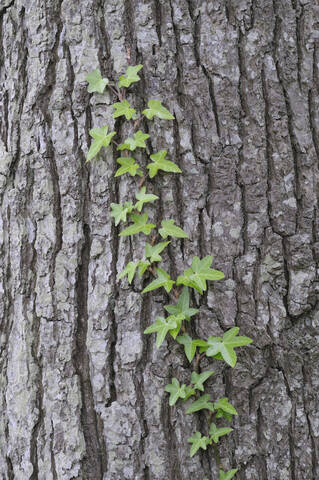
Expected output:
(169, 229)
(198, 379)
(162, 326)
(130, 76)
(155, 108)
(190, 345)
(215, 432)
(176, 391)
(96, 82)
(142, 266)
(129, 270)
(227, 475)
(189, 392)
(124, 108)
(162, 280)
(128, 166)
(199, 272)
(200, 404)
(101, 139)
(218, 347)
(179, 318)
(140, 225)
(152, 252)
(161, 164)
(119, 211)
(223, 406)
(198, 442)
(138, 140)
(144, 197)
(182, 305)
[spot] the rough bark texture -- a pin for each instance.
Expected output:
(82, 389)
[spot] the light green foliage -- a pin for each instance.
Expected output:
(190, 345)
(160, 163)
(162, 326)
(124, 108)
(215, 432)
(153, 252)
(227, 475)
(140, 225)
(198, 380)
(176, 391)
(155, 108)
(199, 273)
(144, 197)
(120, 212)
(130, 76)
(163, 280)
(138, 140)
(128, 165)
(202, 403)
(169, 229)
(129, 270)
(96, 82)
(142, 266)
(182, 305)
(198, 442)
(224, 407)
(223, 348)
(101, 139)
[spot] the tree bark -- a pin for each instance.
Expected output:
(82, 388)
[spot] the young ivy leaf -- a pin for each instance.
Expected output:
(96, 82)
(152, 252)
(223, 348)
(119, 211)
(199, 272)
(223, 406)
(182, 305)
(162, 326)
(124, 108)
(190, 345)
(176, 391)
(198, 379)
(128, 166)
(159, 163)
(189, 392)
(101, 139)
(130, 76)
(202, 403)
(178, 318)
(155, 108)
(169, 229)
(140, 225)
(227, 475)
(138, 140)
(142, 266)
(198, 442)
(129, 270)
(144, 197)
(162, 280)
(215, 432)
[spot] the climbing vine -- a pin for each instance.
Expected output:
(195, 277)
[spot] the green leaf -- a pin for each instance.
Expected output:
(152, 252)
(138, 140)
(178, 318)
(142, 266)
(96, 82)
(189, 392)
(224, 347)
(190, 345)
(222, 405)
(159, 163)
(119, 211)
(101, 139)
(128, 166)
(130, 76)
(124, 108)
(129, 270)
(215, 432)
(176, 391)
(227, 475)
(198, 379)
(155, 108)
(140, 225)
(162, 280)
(198, 442)
(199, 272)
(144, 197)
(169, 229)
(182, 305)
(162, 326)
(202, 403)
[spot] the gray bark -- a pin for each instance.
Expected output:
(82, 389)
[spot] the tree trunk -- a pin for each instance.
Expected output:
(82, 388)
